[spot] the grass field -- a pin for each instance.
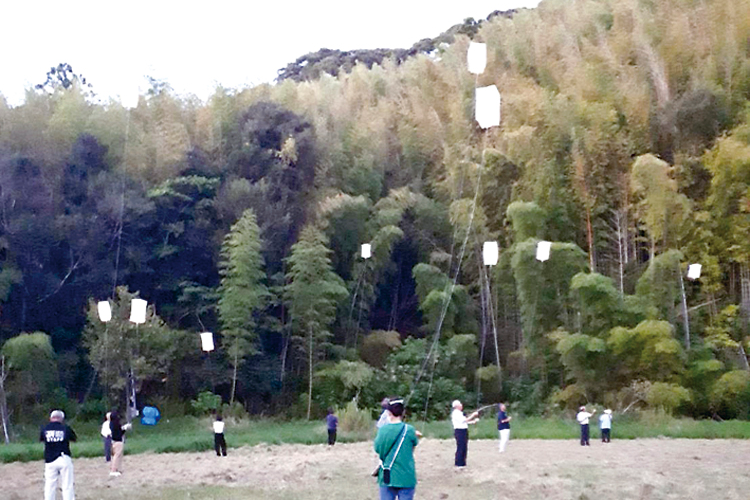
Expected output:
(189, 434)
(531, 469)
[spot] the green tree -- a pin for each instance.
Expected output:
(242, 292)
(313, 291)
(120, 349)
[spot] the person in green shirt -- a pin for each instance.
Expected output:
(395, 444)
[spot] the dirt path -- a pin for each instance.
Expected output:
(530, 469)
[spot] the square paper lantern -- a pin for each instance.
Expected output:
(104, 310)
(138, 311)
(476, 58)
(207, 341)
(694, 271)
(490, 253)
(366, 250)
(542, 250)
(487, 106)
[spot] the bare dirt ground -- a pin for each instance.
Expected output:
(530, 469)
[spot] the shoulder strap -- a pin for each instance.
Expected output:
(403, 429)
(403, 436)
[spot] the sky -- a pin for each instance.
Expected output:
(196, 46)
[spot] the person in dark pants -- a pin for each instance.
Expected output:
(332, 422)
(583, 419)
(220, 444)
(107, 438)
(605, 424)
(461, 432)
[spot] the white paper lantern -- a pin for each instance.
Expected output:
(487, 106)
(694, 271)
(476, 58)
(490, 253)
(207, 341)
(104, 310)
(366, 250)
(130, 100)
(542, 250)
(138, 311)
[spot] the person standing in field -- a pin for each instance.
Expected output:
(605, 424)
(220, 444)
(332, 422)
(106, 433)
(583, 419)
(461, 431)
(118, 443)
(503, 426)
(394, 444)
(58, 466)
(383, 416)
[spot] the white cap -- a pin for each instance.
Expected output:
(608, 411)
(57, 415)
(456, 403)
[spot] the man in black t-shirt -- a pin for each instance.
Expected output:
(57, 463)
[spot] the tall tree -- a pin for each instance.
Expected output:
(314, 292)
(242, 291)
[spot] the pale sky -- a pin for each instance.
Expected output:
(196, 46)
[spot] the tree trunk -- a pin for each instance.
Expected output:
(4, 416)
(685, 317)
(310, 373)
(234, 375)
(590, 240)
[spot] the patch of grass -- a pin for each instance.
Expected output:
(191, 434)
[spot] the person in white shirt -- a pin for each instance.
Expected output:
(106, 433)
(605, 424)
(461, 431)
(583, 419)
(383, 416)
(220, 444)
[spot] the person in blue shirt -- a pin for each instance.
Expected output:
(503, 426)
(332, 422)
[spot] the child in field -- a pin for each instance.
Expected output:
(332, 422)
(605, 424)
(220, 444)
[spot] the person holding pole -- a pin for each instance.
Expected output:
(605, 424)
(583, 418)
(106, 433)
(58, 465)
(461, 431)
(503, 426)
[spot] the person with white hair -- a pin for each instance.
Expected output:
(605, 424)
(58, 466)
(583, 418)
(461, 431)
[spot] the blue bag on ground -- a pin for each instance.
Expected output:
(150, 416)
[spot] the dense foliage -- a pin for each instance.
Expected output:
(625, 142)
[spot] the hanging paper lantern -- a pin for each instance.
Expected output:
(694, 271)
(366, 250)
(104, 310)
(476, 58)
(490, 253)
(138, 311)
(542, 250)
(487, 106)
(207, 341)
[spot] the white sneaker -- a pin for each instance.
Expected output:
(115, 474)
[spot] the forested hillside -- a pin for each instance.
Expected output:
(625, 141)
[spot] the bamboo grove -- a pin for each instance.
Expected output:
(625, 141)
